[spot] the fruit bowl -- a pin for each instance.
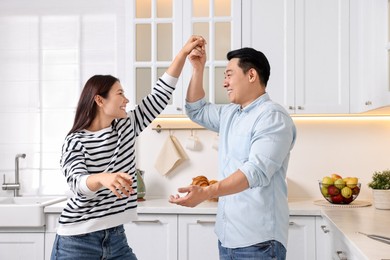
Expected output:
(340, 193)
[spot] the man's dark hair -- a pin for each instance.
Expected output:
(251, 58)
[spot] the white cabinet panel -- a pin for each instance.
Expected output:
(369, 55)
(323, 239)
(307, 44)
(301, 238)
(197, 239)
(153, 236)
(22, 246)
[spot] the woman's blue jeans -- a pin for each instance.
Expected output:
(104, 244)
(263, 251)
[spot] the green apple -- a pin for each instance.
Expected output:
(346, 192)
(326, 181)
(324, 191)
(339, 183)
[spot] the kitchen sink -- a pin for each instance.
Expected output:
(25, 211)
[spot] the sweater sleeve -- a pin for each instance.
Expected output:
(74, 168)
(153, 104)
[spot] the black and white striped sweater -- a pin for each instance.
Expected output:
(109, 150)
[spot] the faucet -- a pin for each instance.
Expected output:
(14, 186)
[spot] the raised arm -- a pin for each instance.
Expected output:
(194, 43)
(195, 88)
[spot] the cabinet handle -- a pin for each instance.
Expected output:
(341, 255)
(325, 229)
(368, 103)
(156, 221)
(291, 223)
(300, 108)
(202, 222)
(179, 109)
(291, 108)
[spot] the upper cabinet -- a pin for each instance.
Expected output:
(326, 56)
(307, 43)
(159, 29)
(369, 55)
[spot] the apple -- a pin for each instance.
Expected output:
(324, 191)
(355, 190)
(332, 190)
(346, 192)
(339, 183)
(335, 176)
(326, 181)
(352, 182)
(337, 199)
(348, 200)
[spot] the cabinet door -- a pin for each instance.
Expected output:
(269, 27)
(22, 246)
(369, 55)
(323, 239)
(158, 31)
(197, 239)
(301, 238)
(307, 44)
(322, 56)
(153, 236)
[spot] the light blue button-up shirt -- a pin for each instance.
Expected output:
(257, 140)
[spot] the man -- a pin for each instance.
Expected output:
(256, 137)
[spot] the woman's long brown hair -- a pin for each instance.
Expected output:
(86, 108)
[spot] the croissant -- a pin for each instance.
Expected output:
(203, 182)
(200, 181)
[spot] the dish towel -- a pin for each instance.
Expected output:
(171, 155)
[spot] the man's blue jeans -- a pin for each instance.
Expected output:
(263, 251)
(105, 244)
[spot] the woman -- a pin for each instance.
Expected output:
(98, 161)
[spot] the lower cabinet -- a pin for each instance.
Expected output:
(301, 238)
(197, 239)
(173, 237)
(153, 236)
(189, 237)
(340, 247)
(309, 237)
(323, 239)
(22, 246)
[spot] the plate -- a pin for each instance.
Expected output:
(353, 204)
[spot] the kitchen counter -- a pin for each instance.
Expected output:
(367, 220)
(348, 220)
(162, 206)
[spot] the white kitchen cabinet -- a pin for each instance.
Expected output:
(323, 239)
(153, 236)
(173, 236)
(301, 238)
(22, 245)
(340, 247)
(197, 239)
(369, 55)
(159, 29)
(307, 44)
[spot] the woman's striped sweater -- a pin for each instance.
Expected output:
(109, 150)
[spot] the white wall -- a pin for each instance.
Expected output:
(347, 146)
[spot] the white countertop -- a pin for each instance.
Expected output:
(348, 220)
(162, 206)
